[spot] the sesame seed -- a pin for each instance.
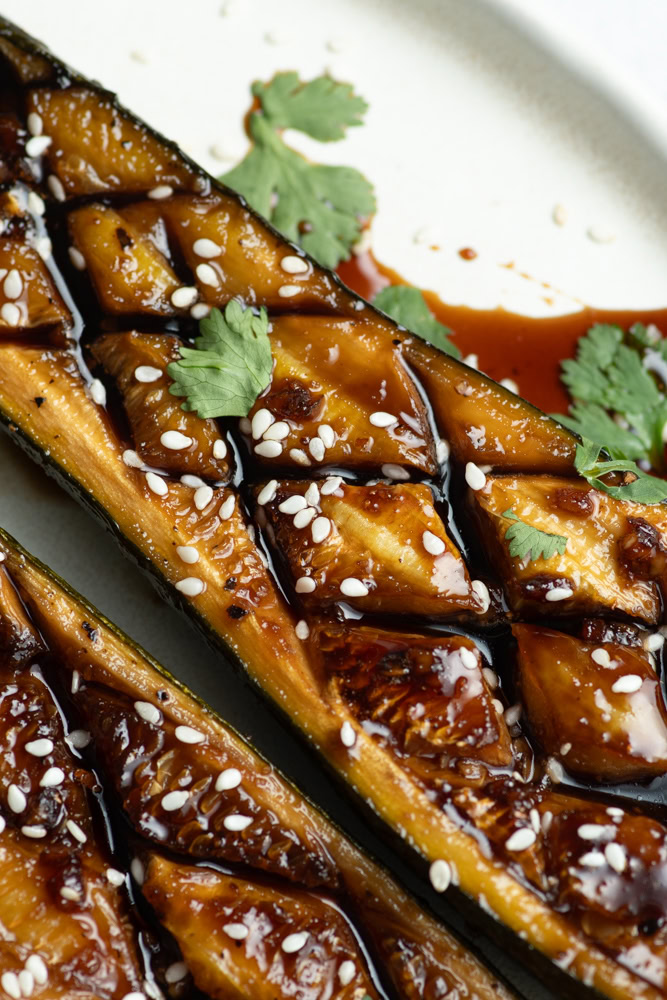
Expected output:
(330, 485)
(228, 779)
(76, 831)
(98, 393)
(326, 435)
(440, 875)
(302, 630)
(36, 203)
(175, 441)
(199, 310)
(321, 528)
(193, 481)
(382, 419)
(559, 594)
(615, 812)
(616, 858)
(235, 823)
(148, 712)
(37, 145)
(352, 587)
(16, 799)
(206, 248)
(184, 297)
(654, 642)
(56, 187)
(135, 995)
(595, 831)
(78, 738)
(237, 932)
(244, 425)
(131, 459)
(219, 449)
(227, 508)
(26, 983)
(299, 456)
(36, 965)
(114, 876)
(312, 495)
(471, 360)
(67, 892)
(10, 313)
(207, 275)
(491, 677)
(442, 451)
(294, 265)
(474, 476)
(39, 748)
(521, 839)
(510, 384)
(565, 749)
(316, 448)
(498, 705)
(10, 984)
(288, 291)
(468, 658)
(203, 496)
(292, 504)
(174, 800)
(77, 258)
(535, 821)
(303, 517)
(137, 871)
(348, 737)
(191, 586)
(13, 284)
(481, 591)
(187, 554)
(35, 832)
(555, 770)
(601, 657)
(160, 192)
(35, 123)
(175, 972)
(305, 585)
(559, 214)
(512, 714)
(346, 972)
(391, 471)
(268, 449)
(156, 484)
(186, 734)
(294, 942)
(268, 492)
(277, 432)
(52, 777)
(627, 684)
(433, 545)
(592, 859)
(547, 820)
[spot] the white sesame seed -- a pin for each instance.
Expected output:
(72, 895)
(321, 528)
(228, 779)
(382, 419)
(592, 859)
(498, 705)
(442, 451)
(13, 284)
(352, 587)
(79, 739)
(535, 821)
(175, 441)
(433, 545)
(199, 310)
(148, 712)
(52, 777)
(565, 749)
(77, 259)
(156, 484)
(348, 736)
(207, 275)
(237, 932)
(114, 876)
(184, 297)
(303, 517)
(288, 291)
(601, 657)
(440, 875)
(16, 799)
(203, 496)
(35, 832)
(36, 965)
(327, 435)
(219, 449)
(595, 831)
(555, 770)
(299, 456)
(521, 839)
(76, 831)
(559, 594)
(227, 508)
(547, 819)
(277, 432)
(36, 203)
(39, 748)
(98, 393)
(138, 871)
(616, 858)
(615, 812)
(391, 471)
(481, 591)
(160, 192)
(513, 714)
(174, 800)
(10, 313)
(56, 187)
(305, 585)
(468, 658)
(509, 383)
(235, 823)
(38, 145)
(131, 459)
(330, 485)
(654, 642)
(294, 942)
(474, 476)
(135, 995)
(187, 554)
(268, 492)
(35, 123)
(292, 504)
(312, 495)
(294, 265)
(302, 630)
(26, 983)
(627, 684)
(491, 677)
(175, 972)
(186, 734)
(346, 972)
(10, 984)
(191, 586)
(316, 448)
(193, 481)
(206, 248)
(268, 449)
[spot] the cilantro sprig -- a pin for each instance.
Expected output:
(528, 541)
(229, 366)
(320, 207)
(638, 485)
(407, 306)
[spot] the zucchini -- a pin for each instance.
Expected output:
(111, 764)
(402, 530)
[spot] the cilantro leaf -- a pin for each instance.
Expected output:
(407, 306)
(319, 207)
(642, 488)
(526, 540)
(229, 366)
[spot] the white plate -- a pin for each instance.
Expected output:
(479, 124)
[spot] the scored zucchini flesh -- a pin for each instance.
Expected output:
(395, 466)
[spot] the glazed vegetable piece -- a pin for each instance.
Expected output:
(591, 575)
(340, 394)
(598, 709)
(238, 938)
(29, 299)
(381, 548)
(164, 435)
